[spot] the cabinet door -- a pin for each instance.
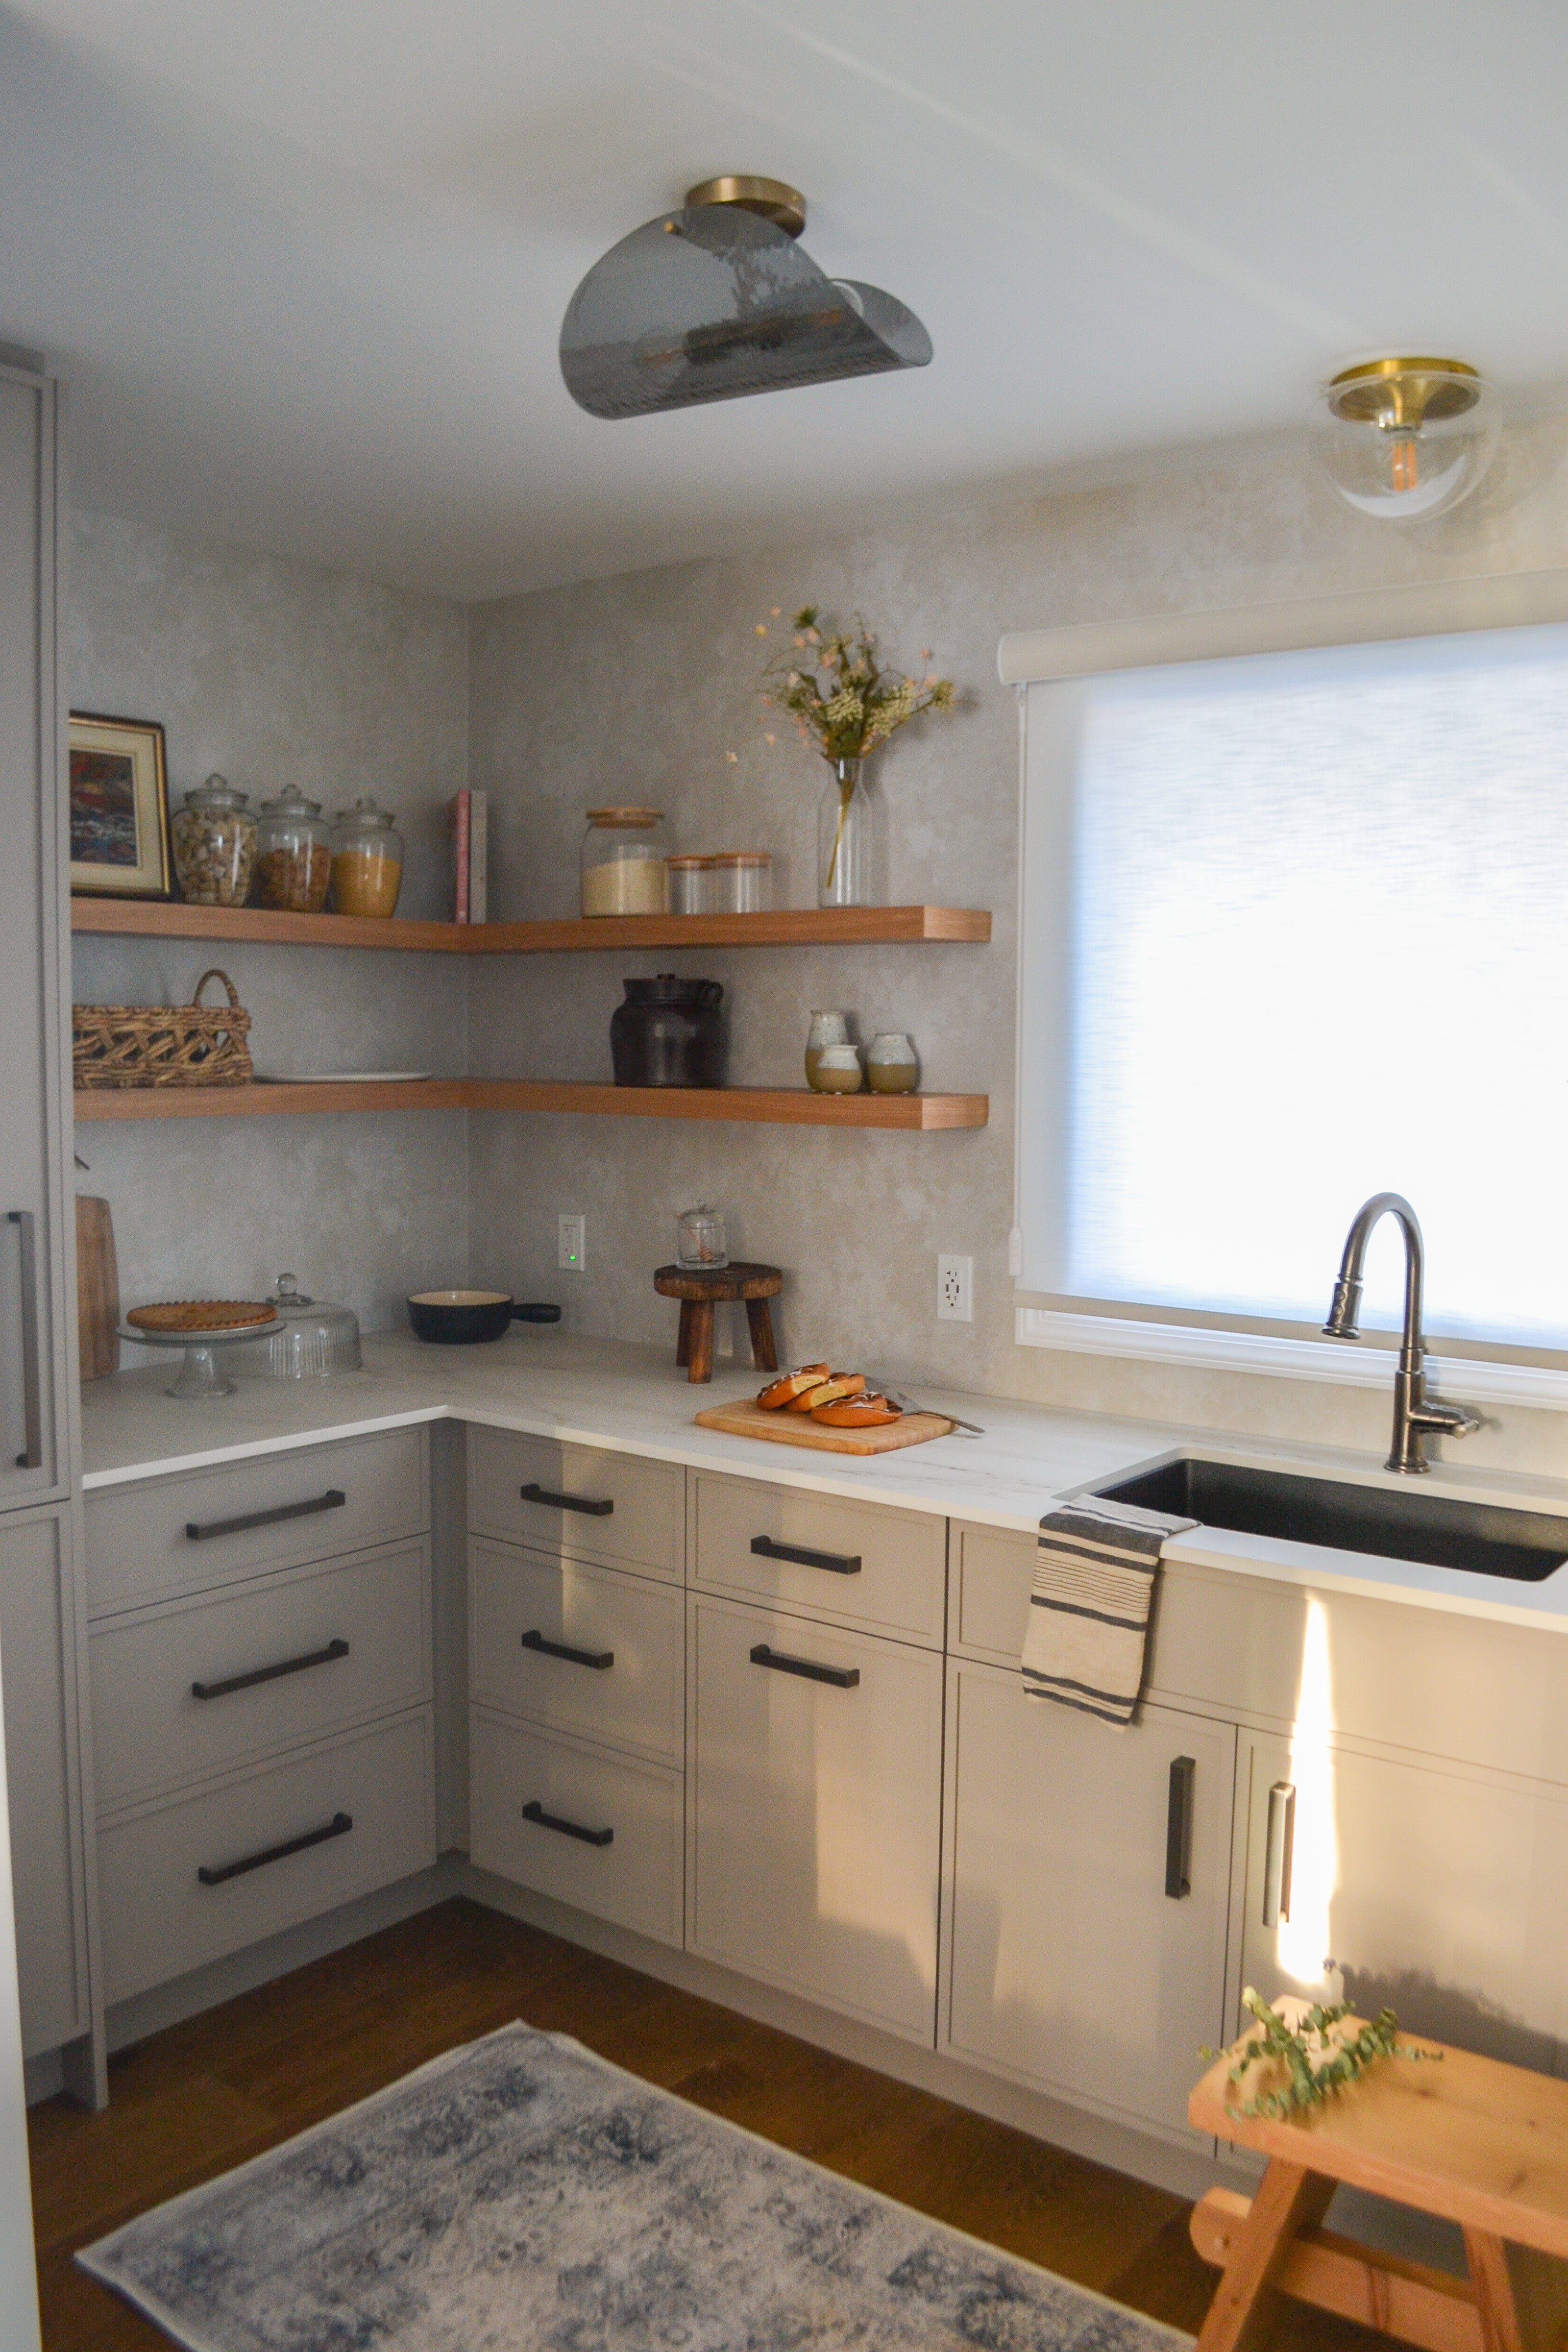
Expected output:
(36, 1670)
(816, 1812)
(31, 1271)
(1073, 1964)
(1440, 1889)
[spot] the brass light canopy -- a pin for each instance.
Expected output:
(1410, 435)
(771, 200)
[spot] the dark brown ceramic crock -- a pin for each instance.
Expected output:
(668, 1032)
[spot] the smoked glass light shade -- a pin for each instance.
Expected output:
(714, 302)
(1408, 438)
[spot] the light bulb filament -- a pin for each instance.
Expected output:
(1402, 462)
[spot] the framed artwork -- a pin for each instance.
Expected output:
(119, 807)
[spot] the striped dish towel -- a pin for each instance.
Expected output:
(1088, 1636)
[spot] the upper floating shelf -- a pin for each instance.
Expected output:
(786, 927)
(776, 1106)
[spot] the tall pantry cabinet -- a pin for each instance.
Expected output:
(42, 1624)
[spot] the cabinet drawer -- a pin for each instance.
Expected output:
(354, 1637)
(992, 1574)
(633, 1877)
(881, 1569)
(626, 1684)
(815, 1821)
(643, 1526)
(139, 1546)
(158, 1916)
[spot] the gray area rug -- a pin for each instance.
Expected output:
(522, 2192)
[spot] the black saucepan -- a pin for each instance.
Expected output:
(455, 1317)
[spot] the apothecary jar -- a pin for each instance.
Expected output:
(293, 853)
(214, 845)
(367, 860)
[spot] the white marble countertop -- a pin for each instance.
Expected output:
(632, 1399)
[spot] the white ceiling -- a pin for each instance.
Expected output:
(303, 262)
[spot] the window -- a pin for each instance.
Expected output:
(1295, 930)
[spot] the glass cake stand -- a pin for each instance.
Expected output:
(199, 1375)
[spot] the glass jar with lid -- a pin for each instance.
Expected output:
(623, 862)
(742, 882)
(367, 860)
(688, 885)
(214, 845)
(293, 853)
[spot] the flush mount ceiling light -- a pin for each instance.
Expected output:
(716, 301)
(1410, 437)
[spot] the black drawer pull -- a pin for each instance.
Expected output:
(332, 1500)
(534, 1493)
(600, 1660)
(339, 1826)
(837, 1563)
(536, 1813)
(1179, 1828)
(271, 1673)
(841, 1678)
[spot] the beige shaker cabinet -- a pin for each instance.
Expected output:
(38, 1666)
(1088, 1876)
(1439, 1888)
(814, 1797)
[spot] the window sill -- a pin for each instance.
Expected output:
(1543, 1388)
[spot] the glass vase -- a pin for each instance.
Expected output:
(846, 839)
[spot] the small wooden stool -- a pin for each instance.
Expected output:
(700, 1292)
(1479, 2143)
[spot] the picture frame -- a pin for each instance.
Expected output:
(119, 807)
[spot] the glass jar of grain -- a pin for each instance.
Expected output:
(293, 853)
(623, 862)
(214, 845)
(367, 860)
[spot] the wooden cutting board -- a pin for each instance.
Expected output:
(747, 1420)
(97, 1289)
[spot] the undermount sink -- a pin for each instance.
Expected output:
(1526, 1546)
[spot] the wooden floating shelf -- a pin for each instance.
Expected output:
(787, 927)
(778, 1106)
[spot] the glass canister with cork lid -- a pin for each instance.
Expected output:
(623, 862)
(293, 853)
(214, 840)
(367, 860)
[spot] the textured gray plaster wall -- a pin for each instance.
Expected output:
(271, 673)
(637, 687)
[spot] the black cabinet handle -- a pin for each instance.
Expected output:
(837, 1563)
(534, 1493)
(339, 1826)
(600, 1660)
(31, 1457)
(271, 1673)
(841, 1678)
(536, 1813)
(332, 1500)
(1179, 1828)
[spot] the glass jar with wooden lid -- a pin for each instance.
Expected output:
(623, 862)
(742, 882)
(688, 883)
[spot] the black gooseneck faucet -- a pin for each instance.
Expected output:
(1415, 1413)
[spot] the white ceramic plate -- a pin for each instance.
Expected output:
(334, 1078)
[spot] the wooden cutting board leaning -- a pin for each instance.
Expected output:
(748, 1420)
(97, 1289)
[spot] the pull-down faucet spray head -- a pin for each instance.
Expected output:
(1344, 1315)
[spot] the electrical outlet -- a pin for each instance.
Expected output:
(955, 1288)
(571, 1243)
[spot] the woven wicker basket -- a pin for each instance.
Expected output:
(192, 1045)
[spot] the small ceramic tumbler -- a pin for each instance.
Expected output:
(892, 1068)
(838, 1071)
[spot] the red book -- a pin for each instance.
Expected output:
(459, 816)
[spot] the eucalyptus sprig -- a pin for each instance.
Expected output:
(1319, 2059)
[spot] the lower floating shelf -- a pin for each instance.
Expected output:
(778, 1106)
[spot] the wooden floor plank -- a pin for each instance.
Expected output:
(208, 2092)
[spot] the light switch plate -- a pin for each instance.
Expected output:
(955, 1288)
(571, 1243)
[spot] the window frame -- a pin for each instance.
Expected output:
(1152, 1332)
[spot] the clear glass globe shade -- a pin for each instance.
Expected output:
(1396, 470)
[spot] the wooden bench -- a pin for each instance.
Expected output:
(1478, 2143)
